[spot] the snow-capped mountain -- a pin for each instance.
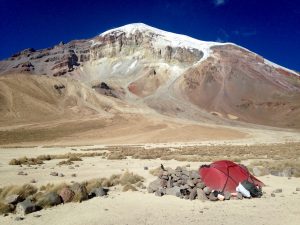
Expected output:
(173, 74)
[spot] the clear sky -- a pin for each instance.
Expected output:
(270, 28)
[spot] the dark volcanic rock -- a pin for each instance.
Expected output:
(26, 207)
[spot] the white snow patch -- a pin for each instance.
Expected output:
(280, 67)
(115, 67)
(163, 38)
(132, 65)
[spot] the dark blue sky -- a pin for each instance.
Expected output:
(270, 28)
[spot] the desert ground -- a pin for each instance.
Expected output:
(141, 207)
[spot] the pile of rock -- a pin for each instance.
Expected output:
(186, 184)
(75, 193)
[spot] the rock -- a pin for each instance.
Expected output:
(227, 195)
(163, 183)
(190, 183)
(66, 194)
(19, 218)
(178, 169)
(146, 168)
(26, 207)
(193, 194)
(61, 175)
(173, 191)
(22, 173)
(13, 199)
(55, 174)
(194, 174)
(287, 172)
(160, 192)
(71, 167)
(170, 183)
(49, 199)
(239, 195)
(278, 190)
(273, 195)
(297, 189)
(164, 177)
(80, 192)
(154, 185)
(201, 195)
(99, 192)
(207, 190)
(33, 181)
(212, 197)
(73, 175)
(200, 185)
(260, 171)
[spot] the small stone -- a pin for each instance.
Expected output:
(193, 194)
(239, 196)
(22, 173)
(55, 174)
(163, 183)
(170, 183)
(207, 190)
(190, 183)
(297, 189)
(18, 218)
(61, 175)
(73, 175)
(212, 197)
(33, 181)
(37, 215)
(160, 192)
(188, 165)
(26, 207)
(201, 195)
(173, 191)
(78, 165)
(71, 167)
(273, 195)
(146, 168)
(227, 195)
(200, 185)
(278, 190)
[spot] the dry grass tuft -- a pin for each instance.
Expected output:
(130, 178)
(53, 187)
(24, 191)
(4, 208)
(129, 187)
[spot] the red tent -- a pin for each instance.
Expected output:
(225, 175)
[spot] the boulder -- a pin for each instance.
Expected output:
(66, 194)
(154, 185)
(260, 171)
(49, 199)
(80, 192)
(173, 191)
(194, 174)
(201, 195)
(26, 207)
(99, 192)
(163, 183)
(13, 199)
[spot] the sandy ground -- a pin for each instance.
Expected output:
(141, 207)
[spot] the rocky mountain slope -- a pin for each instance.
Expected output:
(173, 74)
